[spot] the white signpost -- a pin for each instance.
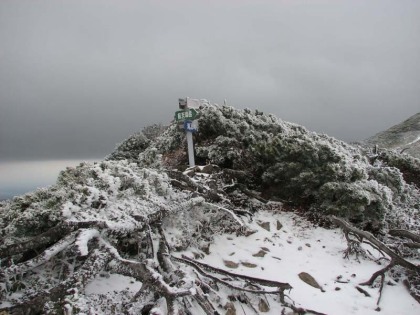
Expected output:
(187, 115)
(189, 131)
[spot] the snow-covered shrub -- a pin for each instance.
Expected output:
(407, 164)
(296, 166)
(224, 152)
(360, 201)
(287, 161)
(213, 124)
(130, 148)
(153, 131)
(406, 211)
(111, 191)
(150, 158)
(388, 176)
(146, 148)
(32, 213)
(282, 160)
(171, 139)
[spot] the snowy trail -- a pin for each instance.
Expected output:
(414, 141)
(281, 255)
(299, 247)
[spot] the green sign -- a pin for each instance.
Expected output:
(188, 114)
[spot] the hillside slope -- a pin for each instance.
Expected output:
(403, 137)
(173, 240)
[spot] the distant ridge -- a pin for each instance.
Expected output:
(403, 137)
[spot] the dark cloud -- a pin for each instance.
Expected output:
(78, 76)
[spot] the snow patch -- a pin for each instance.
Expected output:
(109, 283)
(301, 247)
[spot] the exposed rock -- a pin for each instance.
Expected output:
(261, 253)
(198, 255)
(263, 306)
(278, 225)
(249, 232)
(248, 264)
(230, 264)
(206, 248)
(265, 225)
(230, 308)
(308, 279)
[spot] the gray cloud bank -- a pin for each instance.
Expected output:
(21, 177)
(78, 76)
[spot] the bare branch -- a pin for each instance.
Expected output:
(197, 266)
(397, 259)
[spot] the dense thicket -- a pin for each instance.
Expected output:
(285, 161)
(307, 169)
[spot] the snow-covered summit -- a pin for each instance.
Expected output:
(166, 239)
(286, 162)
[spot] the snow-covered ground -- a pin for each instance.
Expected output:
(301, 247)
(298, 246)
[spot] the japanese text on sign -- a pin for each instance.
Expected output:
(184, 115)
(189, 114)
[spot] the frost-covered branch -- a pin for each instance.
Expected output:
(83, 238)
(42, 258)
(231, 213)
(95, 262)
(51, 236)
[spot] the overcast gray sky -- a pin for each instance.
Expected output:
(78, 76)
